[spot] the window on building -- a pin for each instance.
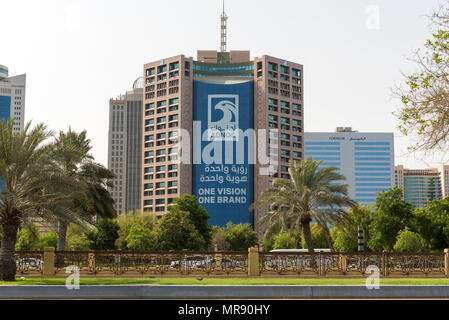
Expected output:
(174, 65)
(150, 72)
(272, 66)
(162, 69)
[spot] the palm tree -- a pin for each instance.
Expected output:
(71, 154)
(310, 194)
(25, 180)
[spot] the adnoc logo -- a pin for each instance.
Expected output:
(223, 117)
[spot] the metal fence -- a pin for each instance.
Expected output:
(352, 264)
(29, 262)
(184, 263)
(121, 263)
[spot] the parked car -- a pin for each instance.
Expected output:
(227, 263)
(30, 262)
(191, 262)
(295, 260)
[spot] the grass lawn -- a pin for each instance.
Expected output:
(229, 281)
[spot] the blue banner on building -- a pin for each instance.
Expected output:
(5, 107)
(223, 158)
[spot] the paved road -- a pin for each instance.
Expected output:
(222, 292)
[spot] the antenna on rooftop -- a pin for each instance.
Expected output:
(224, 19)
(223, 56)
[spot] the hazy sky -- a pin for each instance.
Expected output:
(79, 54)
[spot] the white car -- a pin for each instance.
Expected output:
(192, 262)
(30, 262)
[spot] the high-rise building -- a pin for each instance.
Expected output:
(365, 159)
(420, 186)
(207, 99)
(12, 98)
(125, 148)
(12, 105)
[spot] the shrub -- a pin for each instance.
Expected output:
(141, 238)
(127, 221)
(105, 236)
(344, 241)
(48, 240)
(240, 236)
(288, 240)
(219, 239)
(407, 241)
(318, 237)
(77, 239)
(28, 237)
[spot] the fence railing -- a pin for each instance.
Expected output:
(252, 263)
(353, 264)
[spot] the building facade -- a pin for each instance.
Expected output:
(182, 95)
(125, 148)
(420, 186)
(12, 98)
(365, 159)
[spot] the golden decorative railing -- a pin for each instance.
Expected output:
(131, 263)
(29, 262)
(253, 263)
(352, 264)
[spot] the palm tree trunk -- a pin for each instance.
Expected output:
(305, 224)
(62, 233)
(7, 263)
(328, 239)
(289, 235)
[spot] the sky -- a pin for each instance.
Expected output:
(79, 54)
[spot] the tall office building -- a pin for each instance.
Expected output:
(203, 101)
(12, 105)
(125, 148)
(365, 159)
(12, 98)
(420, 186)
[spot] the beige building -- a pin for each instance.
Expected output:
(168, 101)
(420, 186)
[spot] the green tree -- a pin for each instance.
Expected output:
(48, 240)
(127, 221)
(219, 239)
(70, 150)
(288, 240)
(310, 194)
(141, 238)
(28, 237)
(408, 241)
(432, 223)
(77, 239)
(198, 215)
(240, 236)
(344, 241)
(391, 215)
(319, 236)
(268, 243)
(345, 236)
(71, 155)
(177, 232)
(425, 92)
(105, 236)
(27, 175)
